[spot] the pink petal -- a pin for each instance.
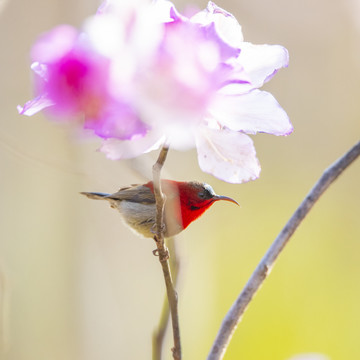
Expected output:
(228, 155)
(77, 84)
(54, 44)
(125, 149)
(117, 121)
(257, 111)
(33, 106)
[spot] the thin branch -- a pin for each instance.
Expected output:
(139, 166)
(163, 252)
(159, 197)
(160, 331)
(235, 313)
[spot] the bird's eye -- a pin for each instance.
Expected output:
(205, 194)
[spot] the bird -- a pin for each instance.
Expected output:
(185, 201)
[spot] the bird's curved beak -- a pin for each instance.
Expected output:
(220, 197)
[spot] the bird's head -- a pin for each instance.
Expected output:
(194, 199)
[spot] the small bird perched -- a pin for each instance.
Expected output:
(185, 202)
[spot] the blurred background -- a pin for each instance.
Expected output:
(76, 284)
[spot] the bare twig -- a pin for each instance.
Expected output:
(235, 313)
(159, 332)
(139, 166)
(163, 252)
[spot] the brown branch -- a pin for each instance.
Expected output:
(236, 311)
(140, 167)
(163, 252)
(160, 331)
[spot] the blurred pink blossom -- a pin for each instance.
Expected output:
(72, 83)
(139, 74)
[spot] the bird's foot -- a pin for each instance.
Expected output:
(155, 232)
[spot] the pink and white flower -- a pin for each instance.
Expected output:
(140, 74)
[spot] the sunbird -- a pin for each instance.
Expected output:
(184, 203)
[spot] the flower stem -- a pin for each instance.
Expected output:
(234, 315)
(163, 252)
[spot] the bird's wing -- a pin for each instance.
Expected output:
(135, 193)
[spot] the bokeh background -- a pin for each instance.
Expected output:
(76, 284)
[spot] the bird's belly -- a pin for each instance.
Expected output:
(138, 216)
(141, 218)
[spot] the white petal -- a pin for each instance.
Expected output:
(125, 149)
(127, 26)
(34, 106)
(226, 24)
(228, 155)
(180, 136)
(261, 62)
(40, 70)
(106, 32)
(257, 111)
(165, 11)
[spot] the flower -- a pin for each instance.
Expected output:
(72, 83)
(139, 74)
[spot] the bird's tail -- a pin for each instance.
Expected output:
(95, 195)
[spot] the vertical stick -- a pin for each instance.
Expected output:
(163, 252)
(160, 331)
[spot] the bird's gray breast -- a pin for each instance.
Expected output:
(138, 216)
(142, 217)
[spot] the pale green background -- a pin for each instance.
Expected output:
(77, 285)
